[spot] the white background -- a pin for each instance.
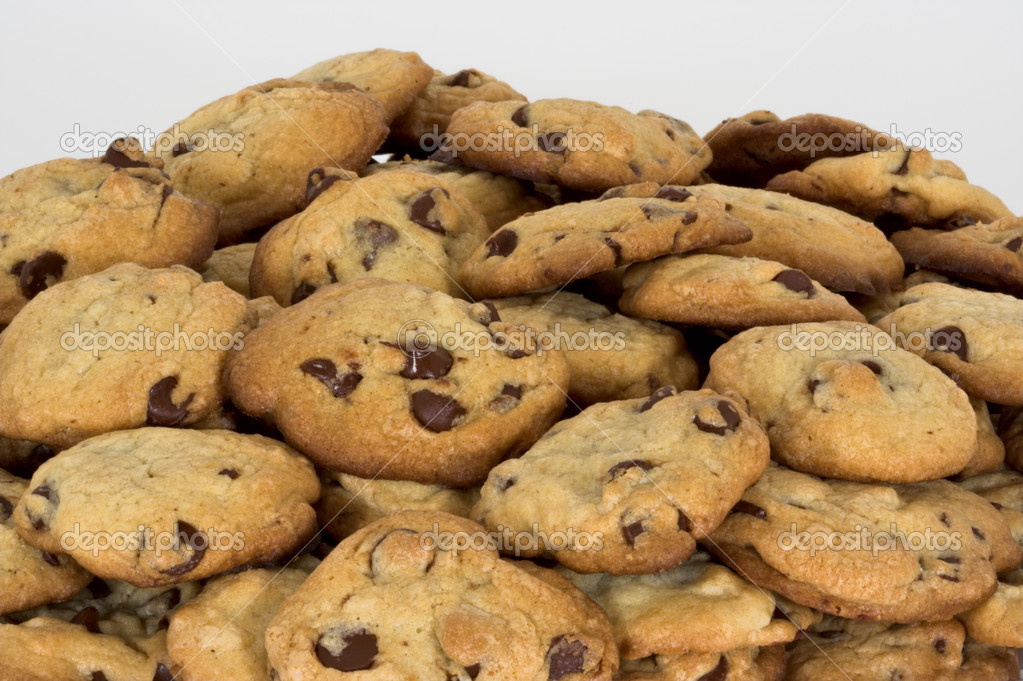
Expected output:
(953, 67)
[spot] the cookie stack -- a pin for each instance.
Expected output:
(557, 391)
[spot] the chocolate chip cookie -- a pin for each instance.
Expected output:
(230, 265)
(396, 599)
(840, 399)
(70, 217)
(157, 506)
(118, 349)
(627, 487)
(381, 378)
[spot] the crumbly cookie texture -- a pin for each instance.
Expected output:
(66, 218)
(230, 265)
(844, 650)
(975, 337)
(610, 356)
(382, 378)
(780, 536)
(573, 241)
(752, 149)
(349, 503)
(28, 576)
(400, 225)
(393, 78)
(394, 600)
(275, 132)
(896, 188)
(840, 399)
(724, 292)
(122, 348)
(200, 502)
(990, 254)
(627, 487)
(578, 144)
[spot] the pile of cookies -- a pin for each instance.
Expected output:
(556, 392)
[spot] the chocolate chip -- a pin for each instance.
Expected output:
(950, 578)
(812, 384)
(950, 339)
(460, 79)
(551, 142)
(88, 618)
(978, 534)
(796, 280)
(118, 158)
(683, 521)
(6, 508)
(671, 193)
(43, 491)
(636, 169)
(473, 670)
(502, 243)
(376, 235)
(494, 317)
(161, 410)
(436, 413)
(873, 366)
(718, 673)
(359, 653)
(728, 413)
(229, 472)
(167, 191)
(939, 645)
(619, 469)
(301, 292)
(35, 276)
(1015, 244)
(617, 248)
(944, 520)
(98, 676)
(904, 167)
(520, 117)
(325, 371)
(512, 391)
(181, 148)
(749, 509)
(50, 558)
(419, 211)
(503, 484)
(565, 657)
(193, 539)
(162, 673)
(98, 588)
(317, 183)
(426, 363)
(632, 531)
(657, 396)
(688, 217)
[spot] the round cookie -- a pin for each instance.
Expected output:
(391, 599)
(577, 144)
(895, 188)
(28, 576)
(499, 198)
(973, 336)
(840, 399)
(399, 225)
(627, 487)
(843, 650)
(922, 551)
(66, 218)
(990, 254)
(275, 133)
(420, 128)
(230, 265)
(610, 356)
(751, 149)
(724, 292)
(744, 664)
(876, 307)
(381, 378)
(392, 78)
(118, 349)
(1010, 430)
(199, 502)
(349, 503)
(561, 244)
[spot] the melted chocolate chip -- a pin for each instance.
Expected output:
(688, 217)
(419, 211)
(951, 339)
(718, 673)
(520, 117)
(317, 183)
(512, 391)
(301, 292)
(378, 235)
(119, 159)
(728, 413)
(359, 653)
(426, 363)
(978, 534)
(193, 539)
(162, 673)
(904, 167)
(50, 558)
(565, 657)
(503, 484)
(1015, 244)
(461, 79)
(181, 148)
(473, 670)
(873, 366)
(551, 142)
(43, 491)
(35, 276)
(749, 509)
(939, 645)
(502, 243)
(617, 248)
(161, 410)
(88, 618)
(950, 578)
(657, 396)
(229, 472)
(812, 384)
(796, 280)
(98, 676)
(325, 371)
(673, 193)
(436, 413)
(944, 520)
(632, 531)
(619, 469)
(494, 317)
(683, 521)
